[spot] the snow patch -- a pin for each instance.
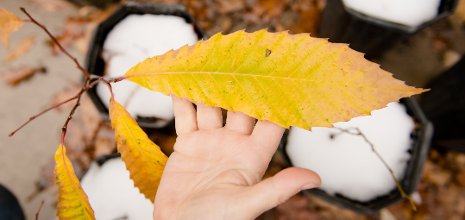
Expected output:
(346, 163)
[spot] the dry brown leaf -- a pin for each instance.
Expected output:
(16, 76)
(104, 141)
(268, 9)
(9, 23)
(75, 28)
(450, 58)
(54, 5)
(461, 178)
(23, 47)
(230, 6)
(308, 18)
(165, 141)
(460, 11)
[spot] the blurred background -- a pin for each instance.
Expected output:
(34, 75)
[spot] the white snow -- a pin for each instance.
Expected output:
(132, 40)
(346, 163)
(112, 193)
(411, 13)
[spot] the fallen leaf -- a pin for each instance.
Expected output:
(304, 82)
(143, 159)
(53, 5)
(165, 141)
(72, 200)
(16, 76)
(24, 46)
(308, 18)
(450, 58)
(460, 11)
(230, 6)
(104, 141)
(75, 29)
(461, 178)
(9, 23)
(268, 9)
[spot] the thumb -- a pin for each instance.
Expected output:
(277, 189)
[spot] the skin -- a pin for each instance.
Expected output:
(216, 171)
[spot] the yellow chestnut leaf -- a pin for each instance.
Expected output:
(291, 80)
(72, 200)
(143, 159)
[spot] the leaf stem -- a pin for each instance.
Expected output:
(38, 211)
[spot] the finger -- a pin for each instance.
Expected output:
(277, 189)
(240, 122)
(184, 116)
(268, 135)
(209, 117)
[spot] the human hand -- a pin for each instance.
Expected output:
(216, 171)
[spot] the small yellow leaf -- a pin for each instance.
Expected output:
(143, 158)
(22, 48)
(291, 80)
(9, 23)
(72, 200)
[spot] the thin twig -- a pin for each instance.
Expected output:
(85, 88)
(89, 82)
(41, 113)
(357, 132)
(87, 85)
(40, 208)
(71, 113)
(84, 71)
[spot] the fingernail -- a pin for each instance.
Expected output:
(310, 186)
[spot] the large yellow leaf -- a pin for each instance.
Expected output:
(72, 201)
(9, 23)
(143, 158)
(292, 80)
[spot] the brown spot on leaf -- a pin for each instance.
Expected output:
(267, 52)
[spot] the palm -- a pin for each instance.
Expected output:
(213, 169)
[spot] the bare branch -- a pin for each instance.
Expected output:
(40, 208)
(73, 110)
(34, 21)
(41, 113)
(90, 81)
(357, 132)
(87, 85)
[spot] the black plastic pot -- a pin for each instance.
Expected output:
(419, 151)
(96, 3)
(366, 34)
(95, 64)
(9, 205)
(444, 105)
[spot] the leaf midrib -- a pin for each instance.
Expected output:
(220, 73)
